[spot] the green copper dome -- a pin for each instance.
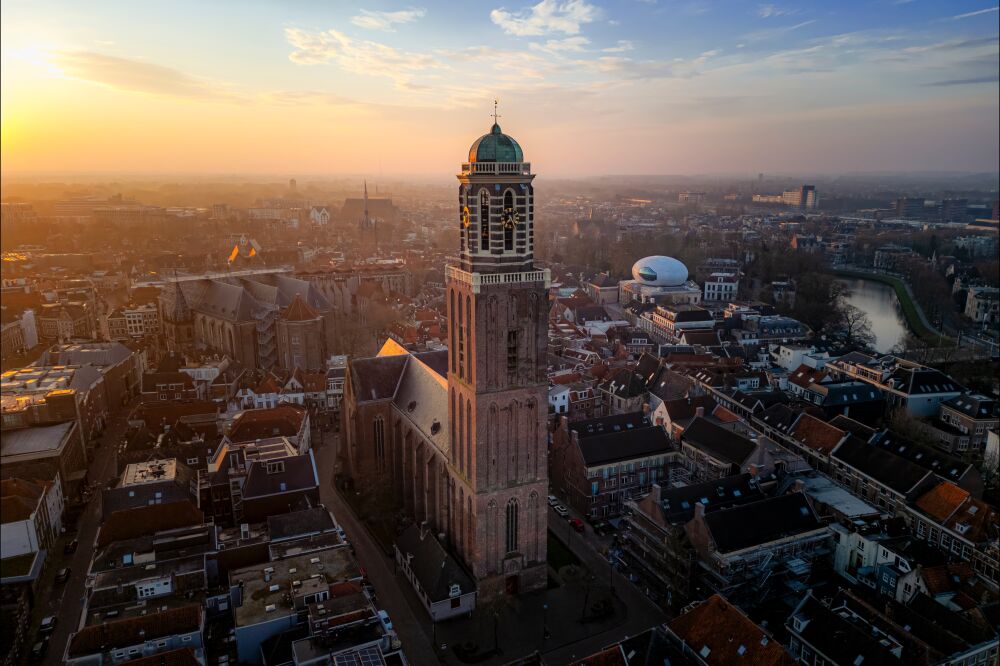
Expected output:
(495, 147)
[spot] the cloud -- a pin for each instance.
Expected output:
(359, 57)
(962, 82)
(377, 20)
(547, 17)
(622, 46)
(138, 76)
(575, 44)
(773, 11)
(979, 12)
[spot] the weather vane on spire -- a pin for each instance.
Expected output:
(495, 114)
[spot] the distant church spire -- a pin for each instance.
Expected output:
(366, 202)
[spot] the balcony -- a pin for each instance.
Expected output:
(496, 168)
(477, 280)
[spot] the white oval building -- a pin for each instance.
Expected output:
(659, 280)
(660, 271)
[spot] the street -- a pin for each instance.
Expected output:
(65, 601)
(413, 625)
(389, 587)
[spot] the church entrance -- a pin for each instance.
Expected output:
(510, 585)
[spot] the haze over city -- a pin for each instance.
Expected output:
(629, 87)
(553, 333)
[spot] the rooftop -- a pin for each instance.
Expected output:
(268, 588)
(35, 442)
(152, 471)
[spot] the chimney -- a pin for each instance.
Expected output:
(699, 411)
(754, 470)
(655, 492)
(798, 486)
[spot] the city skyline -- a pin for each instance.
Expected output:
(589, 88)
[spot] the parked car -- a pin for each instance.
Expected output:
(71, 547)
(386, 622)
(576, 524)
(48, 624)
(63, 575)
(603, 528)
(38, 650)
(553, 500)
(561, 510)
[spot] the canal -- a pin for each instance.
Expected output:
(879, 302)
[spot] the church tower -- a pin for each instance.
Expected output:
(497, 305)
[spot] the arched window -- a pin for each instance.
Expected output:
(468, 331)
(508, 227)
(452, 323)
(484, 220)
(512, 525)
(468, 437)
(461, 341)
(378, 435)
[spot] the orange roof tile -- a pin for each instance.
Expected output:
(816, 433)
(723, 635)
(941, 501)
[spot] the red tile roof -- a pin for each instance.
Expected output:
(941, 501)
(283, 420)
(817, 434)
(729, 636)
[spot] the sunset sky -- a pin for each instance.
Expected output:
(313, 87)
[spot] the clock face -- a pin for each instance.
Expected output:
(465, 217)
(510, 218)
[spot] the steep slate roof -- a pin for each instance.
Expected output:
(624, 445)
(422, 397)
(839, 639)
(729, 636)
(147, 520)
(846, 393)
(921, 380)
(299, 474)
(299, 310)
(973, 405)
(677, 505)
(687, 408)
(931, 458)
(433, 567)
(608, 424)
(779, 416)
(718, 442)
(890, 470)
(134, 630)
(376, 378)
(848, 424)
(761, 522)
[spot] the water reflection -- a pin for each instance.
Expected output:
(879, 302)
